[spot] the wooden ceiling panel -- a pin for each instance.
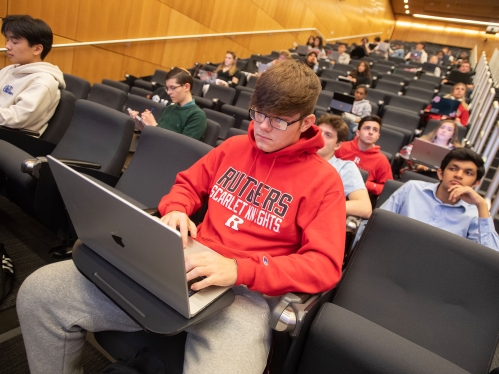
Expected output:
(476, 10)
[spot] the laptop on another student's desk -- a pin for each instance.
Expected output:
(455, 76)
(427, 153)
(136, 243)
(341, 103)
(332, 55)
(443, 106)
(415, 55)
(207, 76)
(302, 49)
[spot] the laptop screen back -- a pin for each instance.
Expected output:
(342, 103)
(415, 55)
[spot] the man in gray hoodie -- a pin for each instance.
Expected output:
(30, 87)
(361, 108)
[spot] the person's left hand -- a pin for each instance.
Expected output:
(465, 193)
(218, 270)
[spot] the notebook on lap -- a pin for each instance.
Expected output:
(138, 244)
(427, 153)
(443, 106)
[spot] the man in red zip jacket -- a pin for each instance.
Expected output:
(367, 155)
(276, 218)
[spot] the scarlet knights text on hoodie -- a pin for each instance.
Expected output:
(373, 161)
(29, 95)
(280, 214)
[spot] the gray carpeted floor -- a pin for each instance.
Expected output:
(27, 242)
(13, 358)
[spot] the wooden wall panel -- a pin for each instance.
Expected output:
(94, 64)
(92, 20)
(412, 29)
(61, 15)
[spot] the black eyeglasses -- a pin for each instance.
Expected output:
(275, 122)
(173, 88)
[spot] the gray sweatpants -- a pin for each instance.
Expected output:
(56, 305)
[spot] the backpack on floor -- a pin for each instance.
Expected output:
(6, 274)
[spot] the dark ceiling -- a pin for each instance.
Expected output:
(476, 10)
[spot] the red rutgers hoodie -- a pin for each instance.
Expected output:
(373, 161)
(280, 214)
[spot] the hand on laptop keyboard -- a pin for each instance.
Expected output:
(191, 282)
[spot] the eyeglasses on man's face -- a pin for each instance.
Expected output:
(172, 88)
(275, 122)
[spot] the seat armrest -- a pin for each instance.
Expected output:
(289, 314)
(33, 166)
(22, 131)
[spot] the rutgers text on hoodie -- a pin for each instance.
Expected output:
(280, 214)
(373, 161)
(30, 94)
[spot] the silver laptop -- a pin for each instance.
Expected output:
(302, 50)
(262, 68)
(138, 244)
(333, 55)
(428, 153)
(207, 76)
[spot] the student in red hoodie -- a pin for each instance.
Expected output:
(366, 154)
(276, 218)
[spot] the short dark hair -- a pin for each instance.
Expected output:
(465, 154)
(337, 123)
(287, 88)
(181, 75)
(363, 86)
(34, 30)
(377, 39)
(421, 44)
(371, 118)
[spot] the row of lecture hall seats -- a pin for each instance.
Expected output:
(366, 324)
(340, 329)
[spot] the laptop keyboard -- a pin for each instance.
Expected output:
(191, 282)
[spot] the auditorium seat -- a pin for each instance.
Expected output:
(408, 103)
(427, 85)
(56, 128)
(240, 110)
(330, 73)
(390, 141)
(140, 92)
(336, 86)
(211, 133)
(401, 120)
(413, 299)
(224, 120)
(108, 96)
(224, 94)
(419, 93)
(96, 135)
(119, 85)
(392, 87)
(79, 87)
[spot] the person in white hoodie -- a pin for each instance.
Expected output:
(29, 89)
